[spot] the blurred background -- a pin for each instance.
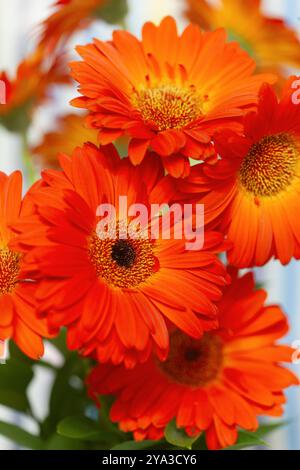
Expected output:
(18, 31)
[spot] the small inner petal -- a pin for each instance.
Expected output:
(168, 106)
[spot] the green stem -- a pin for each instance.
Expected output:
(31, 174)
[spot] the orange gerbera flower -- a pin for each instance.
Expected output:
(18, 318)
(268, 40)
(114, 294)
(72, 15)
(29, 88)
(167, 92)
(71, 133)
(214, 384)
(253, 192)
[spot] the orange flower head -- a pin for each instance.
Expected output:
(252, 193)
(214, 384)
(18, 318)
(29, 88)
(270, 42)
(70, 16)
(71, 133)
(115, 294)
(167, 92)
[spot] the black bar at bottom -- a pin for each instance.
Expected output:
(135, 459)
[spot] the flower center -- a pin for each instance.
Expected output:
(270, 165)
(9, 271)
(123, 253)
(192, 362)
(168, 106)
(122, 263)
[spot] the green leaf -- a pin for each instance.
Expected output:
(61, 386)
(254, 439)
(56, 442)
(20, 436)
(113, 11)
(105, 421)
(17, 354)
(68, 395)
(265, 429)
(60, 342)
(247, 439)
(135, 445)
(200, 443)
(178, 437)
(14, 399)
(79, 427)
(66, 399)
(15, 376)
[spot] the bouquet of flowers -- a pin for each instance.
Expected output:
(177, 167)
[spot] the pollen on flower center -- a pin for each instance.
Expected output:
(270, 165)
(168, 106)
(193, 362)
(9, 271)
(122, 263)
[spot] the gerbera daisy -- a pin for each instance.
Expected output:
(214, 384)
(270, 42)
(29, 88)
(18, 318)
(71, 133)
(252, 194)
(72, 15)
(116, 295)
(167, 92)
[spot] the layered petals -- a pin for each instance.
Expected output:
(19, 318)
(252, 193)
(216, 384)
(117, 296)
(270, 41)
(167, 92)
(29, 88)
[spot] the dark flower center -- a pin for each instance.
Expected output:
(123, 253)
(123, 263)
(193, 362)
(191, 355)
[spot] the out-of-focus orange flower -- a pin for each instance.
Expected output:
(29, 88)
(253, 191)
(167, 92)
(115, 294)
(18, 309)
(72, 132)
(214, 384)
(72, 15)
(270, 42)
